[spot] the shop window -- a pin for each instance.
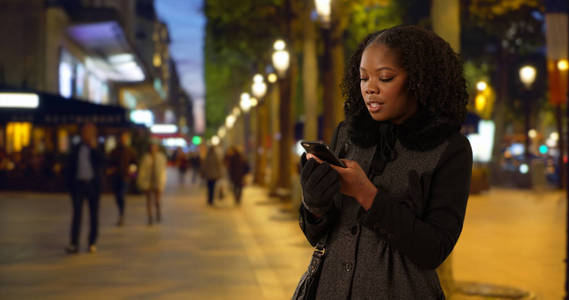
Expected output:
(17, 136)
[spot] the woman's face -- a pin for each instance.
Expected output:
(383, 85)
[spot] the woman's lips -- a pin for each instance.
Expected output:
(374, 107)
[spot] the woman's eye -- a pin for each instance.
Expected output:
(363, 79)
(386, 79)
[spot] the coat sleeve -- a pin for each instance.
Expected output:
(428, 239)
(313, 227)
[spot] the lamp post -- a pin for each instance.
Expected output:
(281, 61)
(259, 89)
(527, 75)
(245, 104)
(324, 10)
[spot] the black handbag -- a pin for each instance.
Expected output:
(306, 289)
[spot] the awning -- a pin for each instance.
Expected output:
(112, 55)
(55, 109)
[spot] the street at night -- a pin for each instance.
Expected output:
(255, 251)
(278, 149)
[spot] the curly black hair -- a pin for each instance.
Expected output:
(434, 77)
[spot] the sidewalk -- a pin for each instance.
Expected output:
(256, 251)
(514, 238)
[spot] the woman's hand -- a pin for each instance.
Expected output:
(354, 182)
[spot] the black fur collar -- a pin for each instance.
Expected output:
(423, 131)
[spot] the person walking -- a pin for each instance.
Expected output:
(181, 160)
(195, 163)
(85, 167)
(394, 214)
(152, 179)
(237, 167)
(211, 171)
(119, 164)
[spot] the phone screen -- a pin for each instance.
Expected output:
(323, 152)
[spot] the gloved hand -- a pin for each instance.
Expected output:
(319, 185)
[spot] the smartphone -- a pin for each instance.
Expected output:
(323, 152)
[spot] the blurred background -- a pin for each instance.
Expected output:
(261, 75)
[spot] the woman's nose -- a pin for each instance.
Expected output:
(370, 89)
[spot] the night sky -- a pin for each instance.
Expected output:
(186, 23)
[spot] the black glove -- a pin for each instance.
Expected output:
(320, 183)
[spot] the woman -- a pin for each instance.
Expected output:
(211, 171)
(152, 179)
(395, 213)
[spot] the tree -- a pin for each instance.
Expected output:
(499, 33)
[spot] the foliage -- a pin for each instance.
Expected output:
(366, 17)
(516, 25)
(238, 42)
(502, 34)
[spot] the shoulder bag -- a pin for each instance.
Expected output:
(306, 289)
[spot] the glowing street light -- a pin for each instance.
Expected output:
(272, 78)
(324, 10)
(563, 65)
(532, 133)
(245, 102)
(481, 85)
(230, 121)
(254, 101)
(259, 88)
(236, 112)
(527, 75)
(215, 140)
(281, 58)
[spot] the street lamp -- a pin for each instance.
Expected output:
(324, 10)
(259, 88)
(230, 121)
(563, 65)
(245, 102)
(221, 132)
(281, 58)
(527, 77)
(481, 85)
(215, 140)
(281, 61)
(236, 112)
(272, 78)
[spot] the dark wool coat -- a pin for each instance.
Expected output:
(97, 158)
(391, 251)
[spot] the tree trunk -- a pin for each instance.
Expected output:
(339, 25)
(310, 76)
(274, 102)
(445, 16)
(500, 112)
(328, 85)
(260, 146)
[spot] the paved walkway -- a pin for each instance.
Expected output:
(255, 251)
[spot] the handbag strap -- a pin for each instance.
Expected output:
(321, 245)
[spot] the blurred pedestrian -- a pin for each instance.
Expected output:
(195, 163)
(120, 161)
(84, 175)
(237, 168)
(211, 171)
(394, 214)
(152, 179)
(181, 161)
